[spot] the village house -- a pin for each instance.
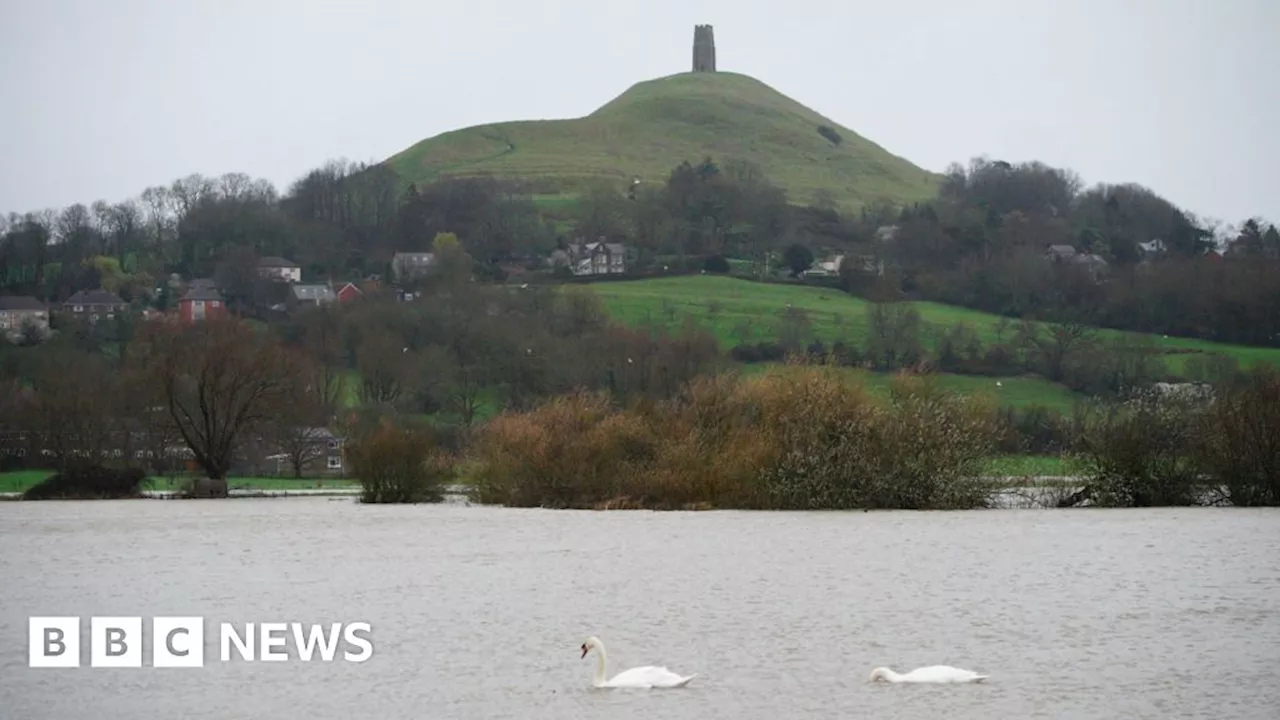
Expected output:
(825, 268)
(19, 311)
(201, 302)
(597, 258)
(407, 266)
(1093, 263)
(311, 296)
(320, 450)
(349, 292)
(94, 305)
(278, 268)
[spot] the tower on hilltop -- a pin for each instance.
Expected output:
(704, 49)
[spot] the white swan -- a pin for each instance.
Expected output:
(640, 677)
(931, 674)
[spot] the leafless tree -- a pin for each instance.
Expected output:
(222, 380)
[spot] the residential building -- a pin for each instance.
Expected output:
(1093, 263)
(349, 292)
(94, 305)
(311, 295)
(278, 268)
(18, 311)
(319, 449)
(825, 268)
(201, 302)
(407, 266)
(598, 258)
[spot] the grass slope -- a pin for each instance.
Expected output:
(657, 124)
(737, 310)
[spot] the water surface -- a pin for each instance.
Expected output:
(478, 612)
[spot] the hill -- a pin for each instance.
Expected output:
(736, 310)
(657, 124)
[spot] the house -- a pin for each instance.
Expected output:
(865, 264)
(1153, 247)
(886, 233)
(349, 292)
(825, 268)
(94, 304)
(411, 265)
(320, 451)
(18, 311)
(311, 295)
(598, 258)
(199, 303)
(1093, 263)
(278, 268)
(1060, 252)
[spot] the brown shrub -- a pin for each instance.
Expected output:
(398, 465)
(573, 451)
(801, 439)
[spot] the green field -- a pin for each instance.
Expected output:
(19, 481)
(738, 310)
(656, 125)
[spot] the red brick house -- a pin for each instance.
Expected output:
(349, 292)
(201, 303)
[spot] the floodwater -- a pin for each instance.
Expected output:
(479, 612)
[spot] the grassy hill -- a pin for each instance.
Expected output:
(655, 125)
(737, 310)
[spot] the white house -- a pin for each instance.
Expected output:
(278, 268)
(409, 265)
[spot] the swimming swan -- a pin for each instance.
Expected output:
(931, 674)
(640, 677)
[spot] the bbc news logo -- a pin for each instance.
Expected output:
(178, 642)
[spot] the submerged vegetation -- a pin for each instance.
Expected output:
(802, 440)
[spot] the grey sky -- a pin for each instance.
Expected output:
(106, 97)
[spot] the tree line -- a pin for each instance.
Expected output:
(980, 243)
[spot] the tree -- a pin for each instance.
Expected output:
(295, 434)
(452, 263)
(221, 380)
(73, 412)
(798, 257)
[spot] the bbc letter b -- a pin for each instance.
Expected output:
(177, 642)
(115, 642)
(53, 642)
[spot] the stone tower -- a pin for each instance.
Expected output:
(704, 49)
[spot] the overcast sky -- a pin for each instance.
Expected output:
(105, 97)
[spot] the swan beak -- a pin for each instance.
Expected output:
(584, 652)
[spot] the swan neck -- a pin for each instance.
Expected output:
(601, 659)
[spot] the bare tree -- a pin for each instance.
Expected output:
(73, 408)
(222, 381)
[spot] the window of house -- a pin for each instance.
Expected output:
(335, 462)
(79, 308)
(333, 444)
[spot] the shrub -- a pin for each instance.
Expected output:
(803, 438)
(89, 482)
(398, 465)
(572, 451)
(1140, 453)
(716, 264)
(1035, 430)
(1240, 443)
